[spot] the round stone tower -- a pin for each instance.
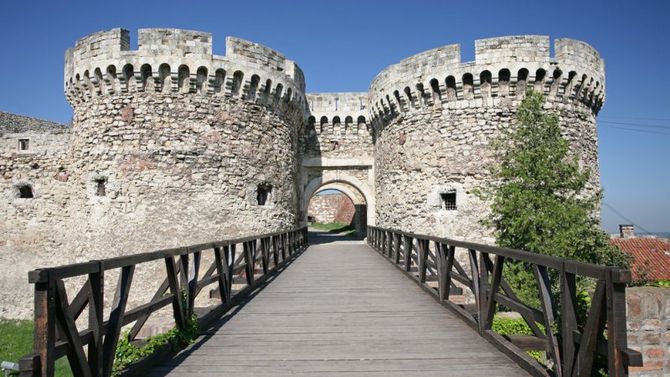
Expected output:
(173, 145)
(434, 118)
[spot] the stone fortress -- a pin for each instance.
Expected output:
(172, 145)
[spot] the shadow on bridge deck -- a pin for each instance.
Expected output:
(319, 237)
(340, 309)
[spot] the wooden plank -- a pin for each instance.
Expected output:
(75, 355)
(449, 270)
(349, 323)
(44, 337)
(529, 315)
(143, 319)
(116, 318)
(616, 325)
(80, 300)
(484, 288)
(527, 342)
(568, 319)
(248, 262)
(495, 285)
(205, 280)
(95, 320)
(222, 273)
(544, 285)
(595, 324)
(408, 252)
(423, 254)
(193, 282)
(175, 291)
(474, 268)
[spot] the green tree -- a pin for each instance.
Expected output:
(539, 202)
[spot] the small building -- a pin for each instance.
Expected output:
(651, 254)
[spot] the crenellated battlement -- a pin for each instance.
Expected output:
(338, 113)
(181, 61)
(504, 67)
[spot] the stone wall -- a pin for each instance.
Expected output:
(331, 208)
(171, 144)
(164, 151)
(45, 138)
(435, 117)
(337, 149)
(648, 315)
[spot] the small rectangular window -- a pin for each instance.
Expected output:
(25, 192)
(263, 192)
(100, 187)
(449, 200)
(24, 144)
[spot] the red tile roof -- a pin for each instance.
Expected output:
(652, 256)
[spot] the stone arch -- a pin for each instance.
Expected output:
(359, 192)
(219, 80)
(165, 77)
(201, 78)
(146, 74)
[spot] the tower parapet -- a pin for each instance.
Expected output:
(338, 113)
(181, 61)
(436, 116)
(504, 67)
(337, 128)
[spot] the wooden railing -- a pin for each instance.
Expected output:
(56, 333)
(572, 344)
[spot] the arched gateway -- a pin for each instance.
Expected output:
(338, 153)
(359, 193)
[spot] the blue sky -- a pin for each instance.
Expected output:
(342, 45)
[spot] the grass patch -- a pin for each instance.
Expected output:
(515, 326)
(347, 229)
(16, 341)
(128, 353)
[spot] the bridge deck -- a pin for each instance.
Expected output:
(341, 309)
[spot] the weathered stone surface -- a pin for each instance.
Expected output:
(648, 315)
(170, 143)
(435, 118)
(332, 207)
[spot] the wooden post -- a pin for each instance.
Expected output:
(423, 255)
(408, 253)
(222, 272)
(483, 288)
(193, 282)
(495, 285)
(175, 290)
(95, 319)
(441, 258)
(248, 262)
(616, 323)
(568, 318)
(474, 270)
(396, 252)
(116, 318)
(275, 249)
(44, 337)
(544, 286)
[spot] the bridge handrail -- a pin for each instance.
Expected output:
(56, 333)
(571, 351)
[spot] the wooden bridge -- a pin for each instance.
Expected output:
(338, 307)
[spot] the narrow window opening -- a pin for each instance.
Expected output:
(238, 76)
(201, 78)
(100, 187)
(24, 144)
(449, 200)
(25, 192)
(263, 193)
